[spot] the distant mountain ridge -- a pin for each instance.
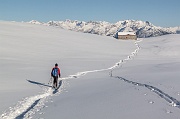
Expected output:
(142, 29)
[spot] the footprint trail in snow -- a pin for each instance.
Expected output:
(31, 105)
(172, 101)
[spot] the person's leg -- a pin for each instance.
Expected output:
(56, 80)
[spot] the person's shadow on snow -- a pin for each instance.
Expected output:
(42, 84)
(38, 83)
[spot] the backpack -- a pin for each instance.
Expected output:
(55, 72)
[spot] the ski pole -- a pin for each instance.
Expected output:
(50, 81)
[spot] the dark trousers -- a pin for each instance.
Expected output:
(55, 81)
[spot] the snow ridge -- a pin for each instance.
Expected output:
(142, 29)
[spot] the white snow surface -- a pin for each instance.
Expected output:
(102, 77)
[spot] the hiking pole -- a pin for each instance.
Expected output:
(50, 81)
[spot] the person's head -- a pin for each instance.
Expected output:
(56, 64)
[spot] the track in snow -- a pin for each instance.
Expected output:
(173, 102)
(117, 65)
(31, 105)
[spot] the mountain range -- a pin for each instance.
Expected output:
(143, 29)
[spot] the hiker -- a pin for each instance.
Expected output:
(55, 73)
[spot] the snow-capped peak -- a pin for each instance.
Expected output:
(142, 29)
(35, 22)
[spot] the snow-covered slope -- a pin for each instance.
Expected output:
(102, 78)
(143, 29)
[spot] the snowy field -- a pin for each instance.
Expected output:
(102, 77)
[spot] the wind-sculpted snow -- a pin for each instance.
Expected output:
(142, 29)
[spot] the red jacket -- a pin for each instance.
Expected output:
(59, 71)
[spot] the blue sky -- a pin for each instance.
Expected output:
(165, 13)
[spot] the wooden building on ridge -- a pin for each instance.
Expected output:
(127, 35)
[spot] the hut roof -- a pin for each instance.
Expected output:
(126, 33)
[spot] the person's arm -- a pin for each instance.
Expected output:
(59, 72)
(52, 73)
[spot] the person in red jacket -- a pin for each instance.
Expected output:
(55, 73)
